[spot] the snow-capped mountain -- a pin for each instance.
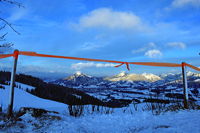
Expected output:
(189, 73)
(134, 77)
(78, 79)
(77, 75)
(178, 76)
(151, 77)
(132, 86)
(81, 80)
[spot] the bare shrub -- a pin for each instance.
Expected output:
(76, 110)
(155, 108)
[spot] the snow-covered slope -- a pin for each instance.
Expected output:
(117, 122)
(140, 122)
(25, 99)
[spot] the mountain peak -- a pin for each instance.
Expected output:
(78, 73)
(189, 73)
(151, 76)
(121, 74)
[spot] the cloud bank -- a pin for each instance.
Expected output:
(108, 18)
(183, 3)
(81, 65)
(177, 45)
(145, 48)
(154, 53)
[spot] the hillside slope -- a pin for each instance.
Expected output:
(51, 91)
(25, 99)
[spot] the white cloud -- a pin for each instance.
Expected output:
(154, 53)
(177, 45)
(145, 48)
(182, 3)
(18, 14)
(90, 46)
(81, 65)
(105, 17)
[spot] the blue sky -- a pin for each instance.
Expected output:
(131, 30)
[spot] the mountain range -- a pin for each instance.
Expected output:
(83, 80)
(134, 77)
(139, 87)
(116, 91)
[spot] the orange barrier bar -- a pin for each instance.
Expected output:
(157, 64)
(193, 67)
(6, 55)
(65, 57)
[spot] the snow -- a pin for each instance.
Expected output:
(122, 74)
(151, 77)
(91, 86)
(197, 80)
(134, 77)
(184, 121)
(117, 122)
(78, 73)
(25, 99)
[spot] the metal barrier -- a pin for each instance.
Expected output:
(16, 53)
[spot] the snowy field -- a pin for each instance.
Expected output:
(120, 123)
(140, 122)
(117, 122)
